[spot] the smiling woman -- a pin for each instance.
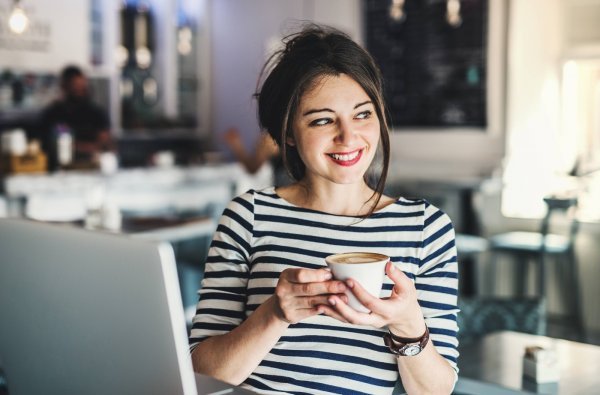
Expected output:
(336, 134)
(270, 316)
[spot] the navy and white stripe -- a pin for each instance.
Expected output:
(260, 235)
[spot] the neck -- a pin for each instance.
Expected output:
(339, 199)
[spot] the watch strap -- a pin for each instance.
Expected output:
(398, 345)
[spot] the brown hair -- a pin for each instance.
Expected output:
(315, 52)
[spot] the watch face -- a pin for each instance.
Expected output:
(411, 350)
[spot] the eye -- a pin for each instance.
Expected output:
(364, 114)
(320, 122)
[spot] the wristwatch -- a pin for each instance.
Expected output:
(404, 346)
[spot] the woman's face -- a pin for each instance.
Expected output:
(336, 131)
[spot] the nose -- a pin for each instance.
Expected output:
(345, 132)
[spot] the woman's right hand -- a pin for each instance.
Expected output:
(301, 293)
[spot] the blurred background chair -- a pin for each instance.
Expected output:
(480, 316)
(544, 247)
(469, 248)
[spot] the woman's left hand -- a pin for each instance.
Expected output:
(400, 312)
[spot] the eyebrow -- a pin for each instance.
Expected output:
(330, 110)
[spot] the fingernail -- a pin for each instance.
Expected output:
(350, 284)
(332, 301)
(392, 267)
(328, 276)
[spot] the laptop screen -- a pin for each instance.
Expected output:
(89, 313)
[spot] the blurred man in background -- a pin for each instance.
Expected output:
(73, 129)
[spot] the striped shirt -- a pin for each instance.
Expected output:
(260, 235)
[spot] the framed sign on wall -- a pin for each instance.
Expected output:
(433, 56)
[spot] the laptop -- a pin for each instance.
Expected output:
(85, 312)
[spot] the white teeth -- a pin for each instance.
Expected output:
(345, 157)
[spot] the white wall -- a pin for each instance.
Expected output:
(58, 33)
(242, 32)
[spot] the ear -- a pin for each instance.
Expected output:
(290, 140)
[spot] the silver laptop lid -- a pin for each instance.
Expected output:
(89, 313)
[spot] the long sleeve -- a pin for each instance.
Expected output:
(437, 282)
(223, 293)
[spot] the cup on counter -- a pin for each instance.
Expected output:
(14, 142)
(367, 268)
(164, 159)
(109, 164)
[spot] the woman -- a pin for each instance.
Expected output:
(270, 316)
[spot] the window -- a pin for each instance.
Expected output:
(559, 160)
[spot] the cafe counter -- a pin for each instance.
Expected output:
(69, 195)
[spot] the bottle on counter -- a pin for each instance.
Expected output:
(64, 144)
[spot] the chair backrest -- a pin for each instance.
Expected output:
(556, 205)
(479, 316)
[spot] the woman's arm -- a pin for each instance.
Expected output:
(232, 357)
(416, 371)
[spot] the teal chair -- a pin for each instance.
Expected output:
(479, 316)
(543, 248)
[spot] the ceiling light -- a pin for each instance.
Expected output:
(18, 20)
(397, 11)
(453, 16)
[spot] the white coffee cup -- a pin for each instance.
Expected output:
(365, 267)
(109, 164)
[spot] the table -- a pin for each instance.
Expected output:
(138, 189)
(172, 231)
(497, 359)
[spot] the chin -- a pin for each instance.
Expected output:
(349, 180)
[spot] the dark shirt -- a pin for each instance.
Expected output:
(85, 120)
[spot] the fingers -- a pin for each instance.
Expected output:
(308, 307)
(300, 276)
(310, 282)
(328, 311)
(321, 288)
(314, 301)
(347, 313)
(362, 294)
(300, 292)
(401, 281)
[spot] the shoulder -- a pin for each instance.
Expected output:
(245, 201)
(434, 215)
(421, 208)
(252, 197)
